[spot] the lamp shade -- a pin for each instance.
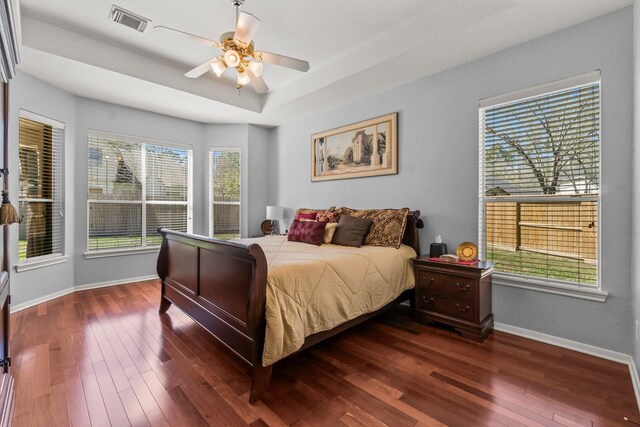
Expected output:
(243, 79)
(256, 68)
(275, 213)
(218, 67)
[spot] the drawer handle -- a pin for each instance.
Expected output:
(427, 300)
(427, 282)
(463, 287)
(463, 308)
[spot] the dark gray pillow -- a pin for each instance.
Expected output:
(351, 231)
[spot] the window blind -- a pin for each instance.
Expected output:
(540, 182)
(41, 187)
(224, 165)
(135, 187)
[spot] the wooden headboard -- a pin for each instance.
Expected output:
(411, 236)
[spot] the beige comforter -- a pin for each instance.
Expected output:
(315, 288)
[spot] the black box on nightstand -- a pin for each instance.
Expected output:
(437, 249)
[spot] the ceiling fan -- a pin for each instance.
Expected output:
(238, 52)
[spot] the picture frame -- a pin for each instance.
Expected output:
(349, 152)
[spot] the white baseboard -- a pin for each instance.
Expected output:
(67, 291)
(114, 282)
(634, 378)
(18, 307)
(602, 353)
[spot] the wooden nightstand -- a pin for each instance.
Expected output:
(454, 294)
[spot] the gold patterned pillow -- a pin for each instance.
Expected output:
(327, 215)
(343, 211)
(388, 225)
(306, 211)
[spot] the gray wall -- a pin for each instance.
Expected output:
(438, 165)
(80, 115)
(38, 97)
(635, 279)
(259, 166)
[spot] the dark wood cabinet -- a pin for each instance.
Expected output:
(6, 379)
(8, 59)
(454, 294)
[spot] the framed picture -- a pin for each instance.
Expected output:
(368, 148)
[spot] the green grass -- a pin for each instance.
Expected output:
(545, 266)
(227, 236)
(98, 243)
(119, 242)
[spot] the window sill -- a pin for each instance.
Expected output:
(40, 263)
(120, 252)
(575, 291)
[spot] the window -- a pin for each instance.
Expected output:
(41, 196)
(135, 187)
(224, 167)
(540, 182)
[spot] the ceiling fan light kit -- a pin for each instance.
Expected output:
(238, 52)
(256, 68)
(218, 67)
(232, 58)
(243, 79)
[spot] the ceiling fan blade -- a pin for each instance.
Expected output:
(246, 28)
(283, 61)
(200, 70)
(258, 83)
(202, 40)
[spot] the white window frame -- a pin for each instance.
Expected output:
(209, 172)
(558, 287)
(57, 257)
(144, 248)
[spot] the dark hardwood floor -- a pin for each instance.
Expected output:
(105, 357)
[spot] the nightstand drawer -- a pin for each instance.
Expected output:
(455, 285)
(446, 304)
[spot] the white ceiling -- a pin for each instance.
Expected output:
(355, 48)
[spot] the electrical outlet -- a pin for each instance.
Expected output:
(636, 330)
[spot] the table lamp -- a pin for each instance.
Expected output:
(275, 214)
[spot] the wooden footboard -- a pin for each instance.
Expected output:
(222, 286)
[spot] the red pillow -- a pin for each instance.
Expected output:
(306, 216)
(310, 232)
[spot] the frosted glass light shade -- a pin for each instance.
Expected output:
(232, 58)
(275, 213)
(243, 79)
(256, 68)
(218, 67)
(246, 28)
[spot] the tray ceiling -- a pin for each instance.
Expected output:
(355, 48)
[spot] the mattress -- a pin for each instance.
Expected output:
(312, 289)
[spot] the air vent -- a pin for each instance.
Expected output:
(128, 19)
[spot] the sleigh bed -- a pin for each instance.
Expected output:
(223, 286)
